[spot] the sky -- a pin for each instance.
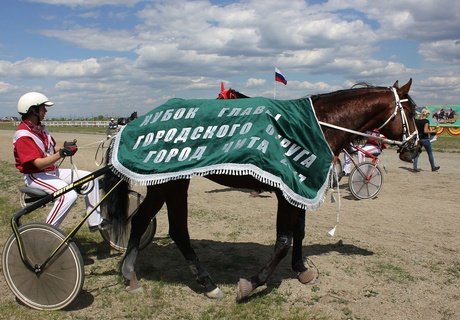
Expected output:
(113, 57)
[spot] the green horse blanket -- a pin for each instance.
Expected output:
(278, 142)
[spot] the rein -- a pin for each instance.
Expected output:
(398, 106)
(385, 140)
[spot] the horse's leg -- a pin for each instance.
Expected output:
(284, 226)
(176, 201)
(304, 274)
(152, 203)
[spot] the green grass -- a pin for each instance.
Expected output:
(390, 272)
(447, 143)
(272, 306)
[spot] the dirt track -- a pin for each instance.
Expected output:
(393, 257)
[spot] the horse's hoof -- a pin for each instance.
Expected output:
(215, 294)
(307, 276)
(133, 284)
(244, 289)
(134, 290)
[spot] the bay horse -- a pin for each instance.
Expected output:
(341, 114)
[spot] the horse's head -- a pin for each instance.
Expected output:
(229, 93)
(133, 116)
(401, 125)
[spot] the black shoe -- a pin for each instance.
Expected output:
(435, 168)
(93, 228)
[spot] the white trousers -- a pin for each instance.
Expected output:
(371, 148)
(346, 164)
(54, 180)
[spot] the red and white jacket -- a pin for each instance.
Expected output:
(30, 142)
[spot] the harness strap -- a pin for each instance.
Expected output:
(385, 140)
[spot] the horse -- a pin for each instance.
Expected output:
(341, 114)
(444, 115)
(125, 121)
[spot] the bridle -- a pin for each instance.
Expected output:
(407, 136)
(407, 139)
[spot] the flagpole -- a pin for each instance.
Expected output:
(274, 89)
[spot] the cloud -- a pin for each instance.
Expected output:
(39, 68)
(5, 87)
(317, 87)
(163, 49)
(77, 68)
(441, 51)
(88, 3)
(253, 83)
(95, 39)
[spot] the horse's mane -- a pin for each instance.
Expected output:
(362, 84)
(359, 86)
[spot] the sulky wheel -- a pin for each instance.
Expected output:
(365, 181)
(62, 277)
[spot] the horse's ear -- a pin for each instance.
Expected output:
(405, 88)
(396, 84)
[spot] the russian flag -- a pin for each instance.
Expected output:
(279, 76)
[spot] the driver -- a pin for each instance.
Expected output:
(112, 129)
(36, 156)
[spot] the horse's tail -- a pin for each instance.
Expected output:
(116, 203)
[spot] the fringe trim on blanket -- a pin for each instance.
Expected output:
(226, 169)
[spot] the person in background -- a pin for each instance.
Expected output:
(424, 132)
(36, 157)
(347, 160)
(373, 146)
(112, 129)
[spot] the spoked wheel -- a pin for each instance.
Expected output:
(365, 181)
(58, 283)
(120, 243)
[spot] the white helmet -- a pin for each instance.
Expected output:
(31, 99)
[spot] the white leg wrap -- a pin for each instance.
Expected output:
(215, 294)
